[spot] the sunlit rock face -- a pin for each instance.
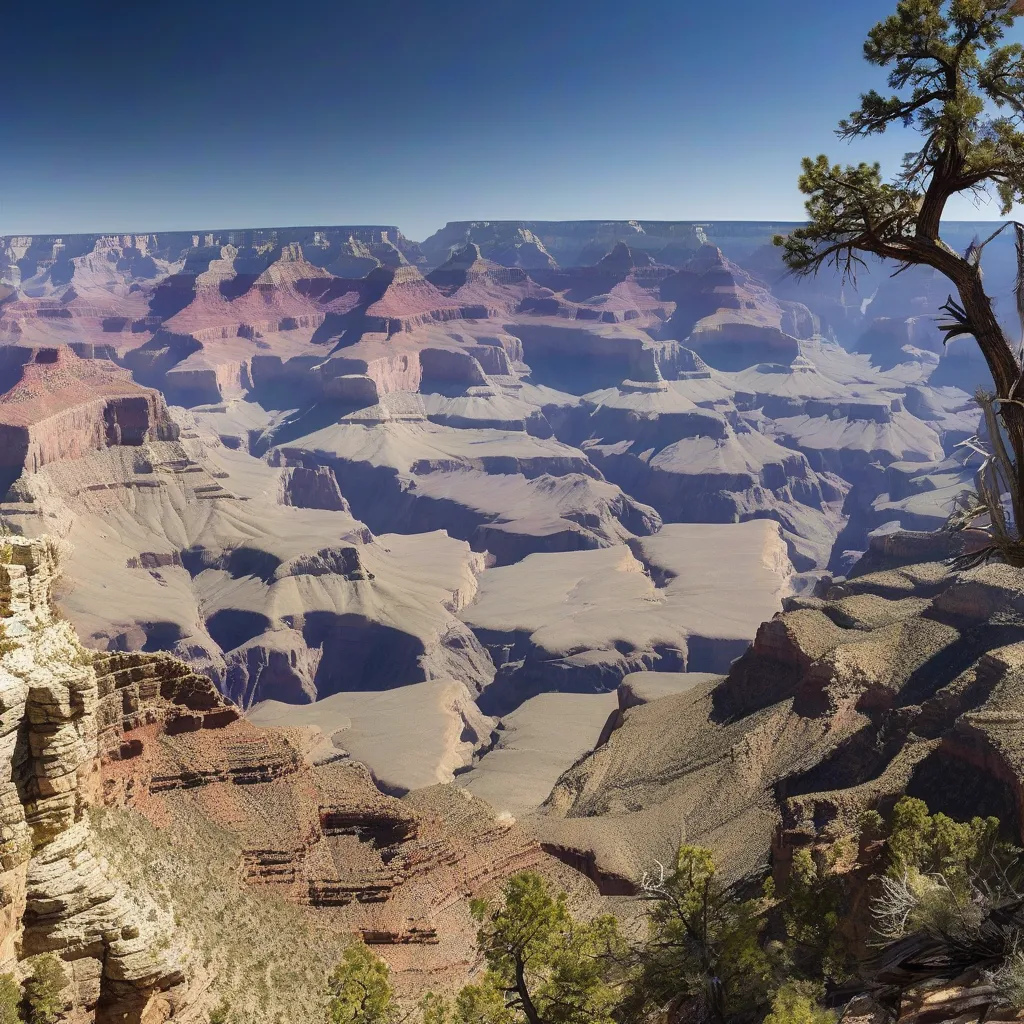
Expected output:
(901, 679)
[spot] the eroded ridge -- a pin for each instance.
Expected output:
(901, 680)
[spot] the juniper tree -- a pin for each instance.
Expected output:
(954, 80)
(44, 989)
(705, 948)
(360, 989)
(543, 965)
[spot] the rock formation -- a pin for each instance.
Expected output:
(580, 621)
(64, 713)
(103, 745)
(379, 485)
(482, 526)
(62, 407)
(900, 679)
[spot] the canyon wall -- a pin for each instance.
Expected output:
(63, 714)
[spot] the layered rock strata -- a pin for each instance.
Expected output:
(88, 736)
(62, 407)
(62, 716)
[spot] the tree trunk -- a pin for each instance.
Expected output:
(1002, 364)
(524, 995)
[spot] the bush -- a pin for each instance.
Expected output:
(813, 910)
(44, 989)
(10, 1000)
(942, 875)
(435, 1009)
(475, 1004)
(797, 1003)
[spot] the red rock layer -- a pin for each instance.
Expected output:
(63, 406)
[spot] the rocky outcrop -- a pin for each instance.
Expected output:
(91, 740)
(62, 716)
(312, 488)
(63, 406)
(404, 300)
(729, 318)
(901, 680)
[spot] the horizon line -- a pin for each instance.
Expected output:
(381, 226)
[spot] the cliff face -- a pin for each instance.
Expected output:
(62, 407)
(61, 716)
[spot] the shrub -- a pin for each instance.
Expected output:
(44, 989)
(796, 1002)
(435, 1009)
(813, 910)
(10, 1000)
(482, 1004)
(942, 875)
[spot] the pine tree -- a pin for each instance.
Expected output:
(953, 80)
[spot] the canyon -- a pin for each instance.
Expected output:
(399, 567)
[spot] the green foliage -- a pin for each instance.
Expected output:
(847, 207)
(483, 1004)
(941, 875)
(812, 911)
(44, 989)
(871, 825)
(475, 1004)
(963, 92)
(705, 944)
(360, 989)
(10, 1000)
(435, 1009)
(936, 844)
(545, 965)
(909, 843)
(710, 954)
(796, 1002)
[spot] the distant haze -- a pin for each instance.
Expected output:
(150, 117)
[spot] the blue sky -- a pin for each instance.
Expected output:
(143, 116)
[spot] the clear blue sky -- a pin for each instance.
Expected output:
(154, 116)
